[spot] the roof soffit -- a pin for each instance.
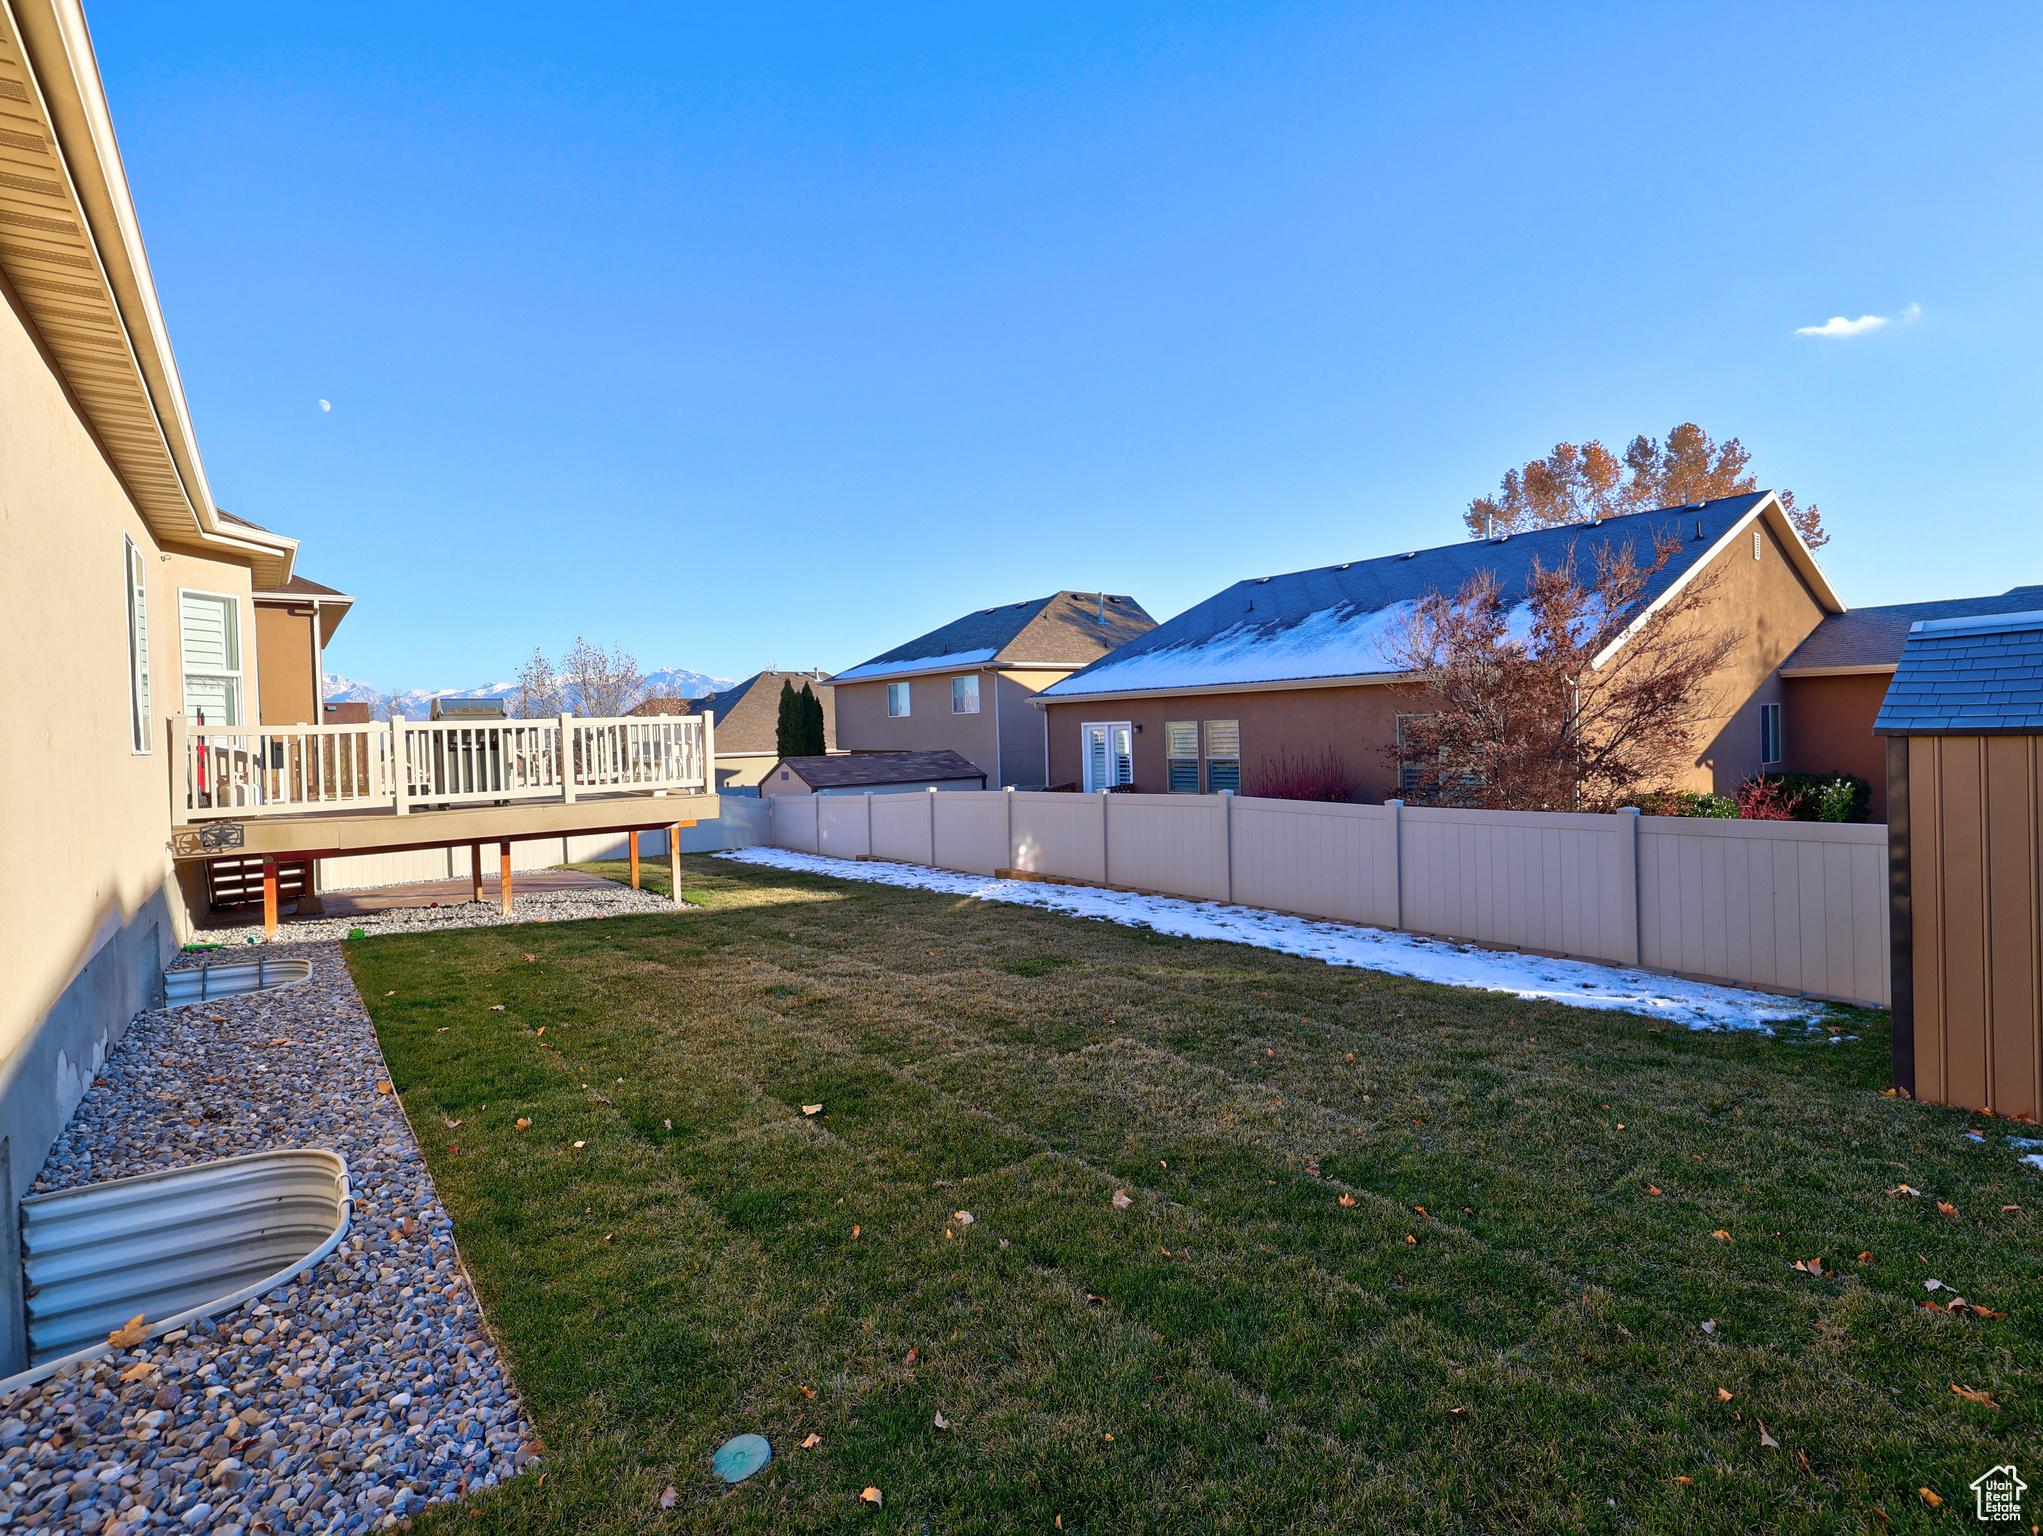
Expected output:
(71, 249)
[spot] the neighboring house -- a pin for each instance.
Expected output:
(294, 623)
(966, 686)
(346, 712)
(1833, 683)
(872, 773)
(150, 637)
(747, 719)
(1301, 663)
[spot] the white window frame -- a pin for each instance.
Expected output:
(1176, 734)
(900, 698)
(1113, 764)
(142, 736)
(1770, 734)
(973, 679)
(237, 676)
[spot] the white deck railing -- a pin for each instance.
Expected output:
(411, 765)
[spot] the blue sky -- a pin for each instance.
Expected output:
(776, 335)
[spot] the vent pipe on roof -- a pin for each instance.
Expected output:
(1698, 530)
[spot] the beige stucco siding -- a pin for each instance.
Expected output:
(287, 643)
(180, 572)
(1004, 739)
(86, 818)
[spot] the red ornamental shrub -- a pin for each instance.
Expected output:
(1321, 775)
(1766, 800)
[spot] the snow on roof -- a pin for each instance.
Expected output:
(900, 664)
(1337, 621)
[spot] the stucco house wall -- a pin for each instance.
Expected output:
(1827, 727)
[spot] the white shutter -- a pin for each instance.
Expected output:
(138, 647)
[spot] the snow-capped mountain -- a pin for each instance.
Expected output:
(417, 703)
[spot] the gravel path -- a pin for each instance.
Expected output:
(339, 1401)
(534, 907)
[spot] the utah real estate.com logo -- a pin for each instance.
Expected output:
(1999, 1492)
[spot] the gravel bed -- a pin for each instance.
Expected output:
(534, 907)
(351, 1395)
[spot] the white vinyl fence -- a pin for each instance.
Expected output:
(1796, 906)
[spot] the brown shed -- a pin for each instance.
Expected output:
(1964, 727)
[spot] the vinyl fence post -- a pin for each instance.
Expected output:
(1106, 869)
(1397, 862)
(1009, 792)
(1628, 855)
(1227, 835)
(932, 826)
(869, 826)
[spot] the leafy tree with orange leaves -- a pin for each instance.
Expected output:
(1580, 482)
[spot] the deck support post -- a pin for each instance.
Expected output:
(632, 838)
(475, 869)
(673, 860)
(504, 864)
(269, 898)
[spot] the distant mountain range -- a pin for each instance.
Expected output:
(417, 703)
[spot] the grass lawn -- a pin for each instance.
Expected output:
(1503, 1331)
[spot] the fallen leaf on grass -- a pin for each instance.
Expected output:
(671, 1497)
(913, 1351)
(1809, 1267)
(1709, 1325)
(1653, 1189)
(531, 959)
(941, 1421)
(539, 1031)
(1865, 1258)
(872, 1496)
(812, 1109)
(808, 1392)
(390, 994)
(1723, 1396)
(963, 1218)
(135, 1331)
(1765, 1439)
(496, 1007)
(579, 1145)
(856, 1230)
(1904, 1189)
(1721, 1235)
(452, 1123)
(1970, 1394)
(812, 1442)
(1121, 1200)
(1686, 1482)
(1409, 1238)
(1929, 1497)
(1947, 1208)
(523, 1124)
(1455, 1413)
(2006, 1210)
(1094, 1301)
(1421, 1210)
(1933, 1285)
(1347, 1200)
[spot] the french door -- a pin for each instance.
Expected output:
(1109, 755)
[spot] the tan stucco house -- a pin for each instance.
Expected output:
(1297, 663)
(161, 698)
(747, 716)
(966, 687)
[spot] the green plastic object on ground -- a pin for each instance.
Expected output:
(356, 933)
(189, 948)
(739, 1457)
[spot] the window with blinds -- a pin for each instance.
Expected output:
(1109, 756)
(209, 626)
(138, 647)
(1223, 756)
(1181, 755)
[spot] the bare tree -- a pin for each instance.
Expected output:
(539, 692)
(1580, 482)
(1520, 716)
(600, 683)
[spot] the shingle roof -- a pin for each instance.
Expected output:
(298, 586)
(1066, 629)
(225, 516)
(1338, 620)
(859, 768)
(1968, 677)
(747, 715)
(1872, 637)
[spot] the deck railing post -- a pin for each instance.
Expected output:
(400, 764)
(567, 759)
(708, 752)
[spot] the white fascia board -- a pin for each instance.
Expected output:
(846, 680)
(1869, 669)
(1111, 696)
(1777, 519)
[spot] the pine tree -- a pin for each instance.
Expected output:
(812, 722)
(790, 736)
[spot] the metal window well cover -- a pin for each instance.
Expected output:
(173, 1246)
(202, 983)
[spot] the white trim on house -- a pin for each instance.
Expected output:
(1869, 669)
(236, 675)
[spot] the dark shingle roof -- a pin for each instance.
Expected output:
(858, 769)
(747, 714)
(1968, 677)
(1334, 621)
(1065, 629)
(1873, 637)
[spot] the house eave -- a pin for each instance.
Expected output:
(1119, 695)
(1867, 669)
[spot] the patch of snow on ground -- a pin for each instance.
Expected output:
(1532, 977)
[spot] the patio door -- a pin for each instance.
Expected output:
(1109, 755)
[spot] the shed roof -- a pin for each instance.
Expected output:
(1968, 677)
(1342, 621)
(1065, 629)
(860, 768)
(1873, 637)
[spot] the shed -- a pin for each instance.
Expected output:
(876, 773)
(1963, 722)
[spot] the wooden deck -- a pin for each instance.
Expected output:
(423, 893)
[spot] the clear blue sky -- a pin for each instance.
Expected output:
(752, 334)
